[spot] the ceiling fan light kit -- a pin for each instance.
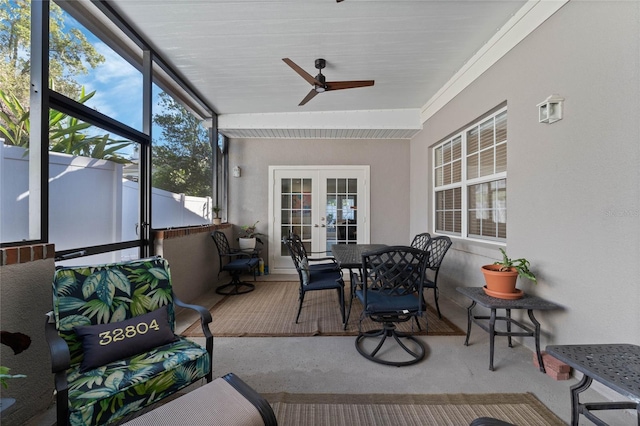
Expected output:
(319, 82)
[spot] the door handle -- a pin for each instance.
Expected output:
(323, 226)
(315, 226)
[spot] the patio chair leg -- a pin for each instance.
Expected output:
(301, 298)
(435, 296)
(341, 299)
(235, 287)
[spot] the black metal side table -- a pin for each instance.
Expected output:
(616, 366)
(528, 302)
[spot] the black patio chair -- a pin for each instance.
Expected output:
(421, 241)
(391, 293)
(236, 262)
(436, 250)
(320, 278)
(317, 264)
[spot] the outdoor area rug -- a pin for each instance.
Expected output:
(522, 409)
(270, 311)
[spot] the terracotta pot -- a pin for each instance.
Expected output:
(501, 284)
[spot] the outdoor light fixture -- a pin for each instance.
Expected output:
(236, 171)
(550, 110)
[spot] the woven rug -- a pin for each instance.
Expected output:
(270, 311)
(522, 409)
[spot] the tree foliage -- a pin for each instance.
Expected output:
(66, 134)
(182, 157)
(70, 55)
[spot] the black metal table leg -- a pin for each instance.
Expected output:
(492, 337)
(469, 316)
(575, 399)
(509, 327)
(536, 336)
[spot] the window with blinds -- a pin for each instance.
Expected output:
(470, 181)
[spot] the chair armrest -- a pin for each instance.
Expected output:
(241, 254)
(205, 315)
(257, 400)
(205, 319)
(322, 259)
(58, 348)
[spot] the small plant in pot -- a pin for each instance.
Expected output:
(502, 275)
(216, 211)
(249, 236)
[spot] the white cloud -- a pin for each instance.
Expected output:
(118, 87)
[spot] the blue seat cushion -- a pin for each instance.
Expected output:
(324, 280)
(242, 264)
(324, 267)
(109, 392)
(380, 302)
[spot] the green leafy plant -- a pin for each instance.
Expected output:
(66, 134)
(249, 231)
(520, 265)
(216, 210)
(4, 375)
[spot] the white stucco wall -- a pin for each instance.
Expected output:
(25, 298)
(573, 186)
(388, 161)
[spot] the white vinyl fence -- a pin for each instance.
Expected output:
(90, 203)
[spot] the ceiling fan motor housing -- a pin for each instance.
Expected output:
(320, 63)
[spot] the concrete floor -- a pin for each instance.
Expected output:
(332, 365)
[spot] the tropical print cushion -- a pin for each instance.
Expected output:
(108, 393)
(90, 295)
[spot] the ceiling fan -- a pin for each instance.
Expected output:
(319, 82)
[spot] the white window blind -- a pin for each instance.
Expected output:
(473, 204)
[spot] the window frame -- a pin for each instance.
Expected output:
(99, 18)
(465, 183)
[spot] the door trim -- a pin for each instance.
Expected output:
(275, 245)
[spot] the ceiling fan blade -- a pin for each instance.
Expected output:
(308, 77)
(309, 96)
(339, 85)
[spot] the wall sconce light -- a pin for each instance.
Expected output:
(236, 171)
(550, 110)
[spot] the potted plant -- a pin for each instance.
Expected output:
(249, 237)
(501, 277)
(216, 211)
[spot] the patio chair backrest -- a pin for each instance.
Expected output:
(437, 248)
(296, 250)
(101, 294)
(222, 243)
(421, 241)
(394, 271)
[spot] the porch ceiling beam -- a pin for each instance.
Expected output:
(354, 124)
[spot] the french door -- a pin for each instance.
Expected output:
(324, 205)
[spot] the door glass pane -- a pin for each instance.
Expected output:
(341, 207)
(295, 209)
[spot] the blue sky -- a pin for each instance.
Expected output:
(117, 83)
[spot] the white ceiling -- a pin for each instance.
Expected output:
(231, 52)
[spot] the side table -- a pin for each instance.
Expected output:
(528, 302)
(616, 366)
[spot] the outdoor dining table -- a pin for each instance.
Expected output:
(349, 256)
